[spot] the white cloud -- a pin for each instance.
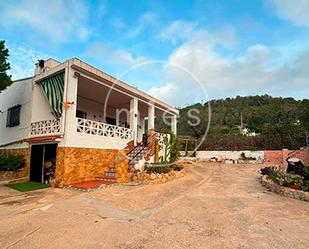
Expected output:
(165, 93)
(178, 31)
(146, 20)
(22, 60)
(112, 56)
(295, 11)
(181, 31)
(58, 20)
(253, 72)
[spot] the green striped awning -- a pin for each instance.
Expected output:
(53, 89)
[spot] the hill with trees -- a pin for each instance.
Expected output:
(278, 122)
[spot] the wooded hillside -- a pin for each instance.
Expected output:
(281, 123)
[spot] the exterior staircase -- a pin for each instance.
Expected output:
(109, 177)
(100, 182)
(136, 154)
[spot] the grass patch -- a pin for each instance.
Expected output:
(27, 186)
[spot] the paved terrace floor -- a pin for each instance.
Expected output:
(213, 206)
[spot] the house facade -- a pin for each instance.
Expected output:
(74, 122)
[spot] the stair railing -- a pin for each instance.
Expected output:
(143, 147)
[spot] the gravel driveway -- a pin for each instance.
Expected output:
(213, 206)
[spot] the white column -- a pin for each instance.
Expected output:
(117, 117)
(70, 115)
(133, 117)
(141, 129)
(151, 116)
(143, 125)
(174, 124)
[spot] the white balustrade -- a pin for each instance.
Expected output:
(161, 136)
(102, 129)
(45, 127)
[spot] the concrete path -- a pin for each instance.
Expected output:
(213, 206)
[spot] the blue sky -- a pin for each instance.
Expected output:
(231, 47)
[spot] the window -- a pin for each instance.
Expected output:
(13, 116)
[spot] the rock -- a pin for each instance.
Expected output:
(153, 176)
(220, 159)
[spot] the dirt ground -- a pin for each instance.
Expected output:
(213, 206)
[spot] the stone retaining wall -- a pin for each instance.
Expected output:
(154, 178)
(285, 191)
(76, 164)
(20, 175)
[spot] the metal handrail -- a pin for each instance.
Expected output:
(143, 147)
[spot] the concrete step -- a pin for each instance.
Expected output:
(106, 178)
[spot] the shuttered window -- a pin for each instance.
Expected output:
(13, 116)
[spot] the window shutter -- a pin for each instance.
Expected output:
(13, 116)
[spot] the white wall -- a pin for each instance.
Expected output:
(72, 138)
(19, 93)
(41, 109)
(233, 155)
(93, 108)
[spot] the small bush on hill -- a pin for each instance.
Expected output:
(11, 162)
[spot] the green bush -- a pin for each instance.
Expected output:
(305, 186)
(285, 179)
(245, 158)
(267, 170)
(305, 172)
(11, 162)
(159, 169)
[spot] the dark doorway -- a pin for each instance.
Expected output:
(43, 162)
(36, 165)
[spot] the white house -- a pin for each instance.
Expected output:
(75, 123)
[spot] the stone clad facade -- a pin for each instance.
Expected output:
(81, 164)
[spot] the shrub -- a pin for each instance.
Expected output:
(244, 157)
(267, 170)
(164, 168)
(305, 186)
(285, 179)
(174, 148)
(305, 173)
(11, 162)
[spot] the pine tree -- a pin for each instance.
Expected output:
(5, 79)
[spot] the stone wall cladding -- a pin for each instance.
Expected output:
(285, 191)
(20, 175)
(76, 164)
